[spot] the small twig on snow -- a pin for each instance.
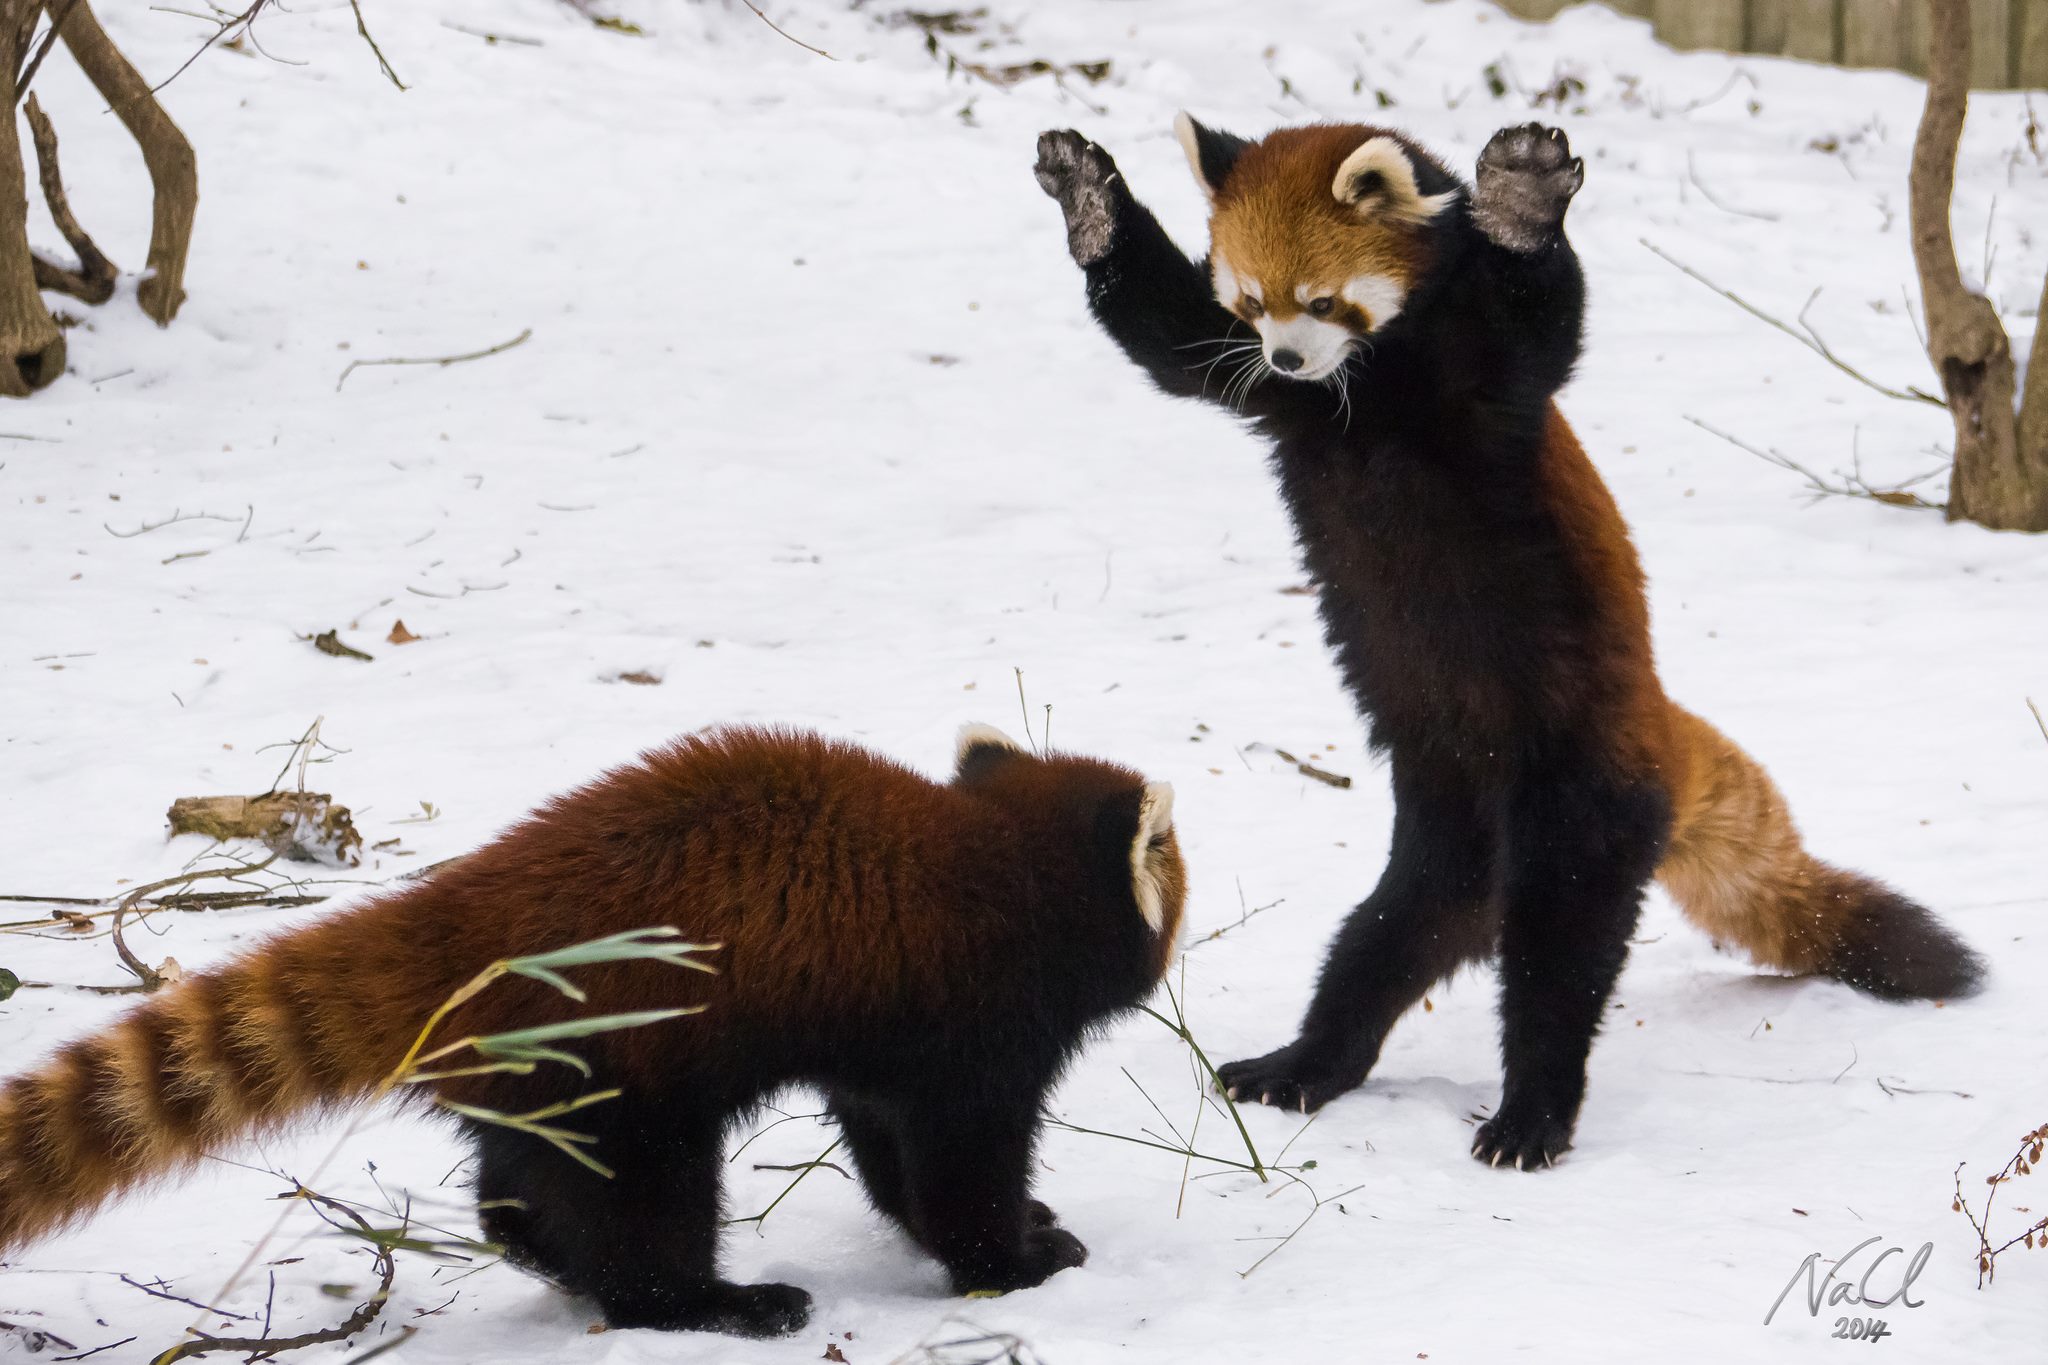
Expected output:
(442, 360)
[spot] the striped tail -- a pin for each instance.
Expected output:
(219, 1056)
(1736, 867)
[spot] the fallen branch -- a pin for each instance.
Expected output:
(300, 825)
(1808, 338)
(442, 360)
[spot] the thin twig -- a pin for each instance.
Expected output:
(384, 1258)
(1809, 341)
(786, 33)
(1693, 175)
(441, 360)
(2037, 717)
(28, 73)
(1850, 486)
(364, 29)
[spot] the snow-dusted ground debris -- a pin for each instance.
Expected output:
(812, 426)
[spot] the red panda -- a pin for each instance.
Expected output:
(930, 955)
(1479, 589)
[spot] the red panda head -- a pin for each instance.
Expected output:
(1128, 820)
(1317, 235)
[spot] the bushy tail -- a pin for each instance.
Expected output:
(294, 1025)
(1737, 869)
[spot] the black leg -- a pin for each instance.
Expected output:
(870, 1135)
(1579, 846)
(644, 1243)
(968, 1166)
(1430, 914)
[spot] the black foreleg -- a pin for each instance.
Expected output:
(1155, 303)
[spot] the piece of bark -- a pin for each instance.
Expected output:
(302, 826)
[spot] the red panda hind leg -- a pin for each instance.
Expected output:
(1737, 869)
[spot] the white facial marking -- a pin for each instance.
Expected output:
(1321, 345)
(1379, 295)
(1155, 817)
(1228, 291)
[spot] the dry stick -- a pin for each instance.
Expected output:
(441, 360)
(364, 30)
(2037, 717)
(1852, 487)
(1693, 175)
(385, 1260)
(1809, 341)
(222, 24)
(786, 33)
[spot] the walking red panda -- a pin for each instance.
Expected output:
(1478, 586)
(930, 955)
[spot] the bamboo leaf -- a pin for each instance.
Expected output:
(526, 1042)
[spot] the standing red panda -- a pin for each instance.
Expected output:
(930, 955)
(1482, 597)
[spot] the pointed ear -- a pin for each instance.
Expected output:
(1378, 180)
(1210, 153)
(1155, 822)
(980, 750)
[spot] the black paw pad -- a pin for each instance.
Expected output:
(1526, 179)
(1084, 181)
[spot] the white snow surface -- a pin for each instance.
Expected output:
(813, 424)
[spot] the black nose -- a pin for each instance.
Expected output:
(1289, 361)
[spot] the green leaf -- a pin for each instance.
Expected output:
(527, 1042)
(657, 944)
(9, 983)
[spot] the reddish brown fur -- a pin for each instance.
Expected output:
(1276, 222)
(842, 886)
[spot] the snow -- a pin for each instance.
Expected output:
(813, 425)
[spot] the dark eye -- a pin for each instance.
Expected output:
(1321, 307)
(1252, 307)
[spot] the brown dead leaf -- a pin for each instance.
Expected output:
(641, 678)
(399, 635)
(832, 1352)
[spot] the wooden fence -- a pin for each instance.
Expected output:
(2008, 38)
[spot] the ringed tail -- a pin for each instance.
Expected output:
(297, 1024)
(1736, 866)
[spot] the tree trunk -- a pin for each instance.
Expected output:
(31, 346)
(173, 170)
(1994, 482)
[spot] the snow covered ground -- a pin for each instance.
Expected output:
(813, 426)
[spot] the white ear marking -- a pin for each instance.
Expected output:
(1396, 194)
(1155, 817)
(1184, 132)
(978, 735)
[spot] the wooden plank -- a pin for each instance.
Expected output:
(1634, 9)
(1990, 43)
(2030, 44)
(1796, 28)
(1871, 31)
(1691, 24)
(1914, 25)
(1534, 9)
